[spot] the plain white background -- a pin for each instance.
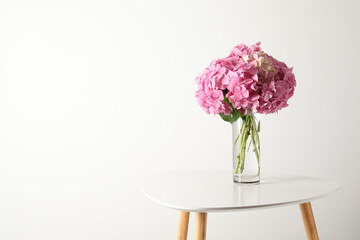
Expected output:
(97, 95)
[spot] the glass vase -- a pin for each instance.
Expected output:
(246, 149)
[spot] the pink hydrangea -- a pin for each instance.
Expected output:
(276, 88)
(211, 84)
(249, 79)
(242, 91)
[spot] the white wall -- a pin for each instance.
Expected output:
(97, 95)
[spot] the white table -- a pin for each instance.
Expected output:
(203, 191)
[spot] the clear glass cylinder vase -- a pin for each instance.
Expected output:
(246, 149)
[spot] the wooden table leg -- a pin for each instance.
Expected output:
(183, 226)
(309, 221)
(200, 226)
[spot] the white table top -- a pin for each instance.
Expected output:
(215, 191)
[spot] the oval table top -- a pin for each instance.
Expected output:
(215, 191)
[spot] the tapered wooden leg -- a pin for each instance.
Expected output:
(200, 226)
(183, 226)
(309, 221)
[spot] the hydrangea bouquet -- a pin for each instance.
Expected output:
(246, 82)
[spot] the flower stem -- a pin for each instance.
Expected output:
(248, 129)
(256, 141)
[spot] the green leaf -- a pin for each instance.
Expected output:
(233, 117)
